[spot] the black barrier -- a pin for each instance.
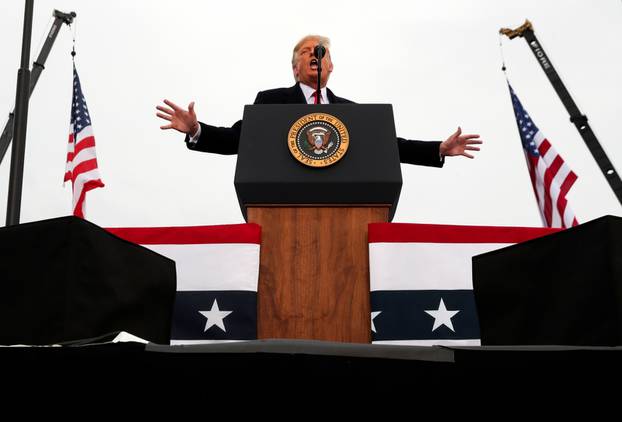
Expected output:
(67, 279)
(561, 289)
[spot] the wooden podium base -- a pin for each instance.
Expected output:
(314, 271)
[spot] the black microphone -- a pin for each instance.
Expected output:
(319, 51)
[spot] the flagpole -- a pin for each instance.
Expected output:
(21, 120)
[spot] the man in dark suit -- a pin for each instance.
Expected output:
(225, 140)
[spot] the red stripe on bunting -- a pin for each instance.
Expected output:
(228, 233)
(435, 233)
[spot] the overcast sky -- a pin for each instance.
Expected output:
(437, 62)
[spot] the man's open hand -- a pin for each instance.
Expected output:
(458, 144)
(182, 120)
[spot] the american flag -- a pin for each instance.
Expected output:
(81, 166)
(550, 175)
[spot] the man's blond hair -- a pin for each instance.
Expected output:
(325, 41)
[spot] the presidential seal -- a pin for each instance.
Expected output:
(318, 140)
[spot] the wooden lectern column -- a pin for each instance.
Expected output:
(314, 271)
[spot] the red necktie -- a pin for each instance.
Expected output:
(315, 99)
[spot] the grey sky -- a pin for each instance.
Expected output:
(438, 63)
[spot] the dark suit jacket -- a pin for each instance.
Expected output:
(225, 140)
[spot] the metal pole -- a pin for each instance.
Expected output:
(37, 67)
(21, 121)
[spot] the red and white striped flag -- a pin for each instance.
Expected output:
(550, 175)
(81, 166)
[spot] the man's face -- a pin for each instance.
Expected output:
(305, 70)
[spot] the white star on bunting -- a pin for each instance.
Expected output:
(374, 315)
(442, 316)
(215, 317)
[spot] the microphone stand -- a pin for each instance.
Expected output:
(319, 75)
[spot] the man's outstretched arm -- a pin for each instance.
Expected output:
(429, 153)
(199, 136)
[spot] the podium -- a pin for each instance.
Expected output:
(314, 264)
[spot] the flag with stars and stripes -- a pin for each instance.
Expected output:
(421, 280)
(81, 167)
(217, 274)
(551, 177)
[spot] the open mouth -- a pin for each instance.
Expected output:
(313, 64)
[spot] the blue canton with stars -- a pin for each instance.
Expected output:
(79, 112)
(526, 126)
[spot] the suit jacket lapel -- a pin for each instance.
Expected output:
(296, 96)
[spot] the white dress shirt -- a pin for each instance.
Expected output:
(308, 92)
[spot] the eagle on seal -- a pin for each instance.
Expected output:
(319, 139)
